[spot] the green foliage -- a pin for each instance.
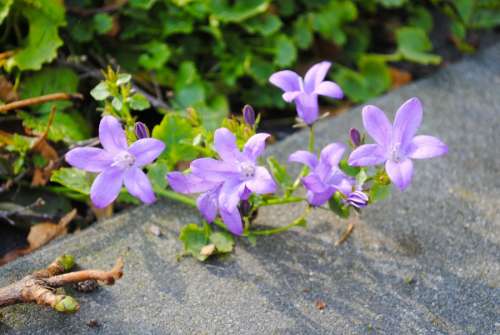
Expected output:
(279, 173)
(414, 44)
(337, 205)
(195, 239)
(75, 180)
(44, 17)
(178, 135)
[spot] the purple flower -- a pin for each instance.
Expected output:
(396, 144)
(305, 92)
(249, 115)
(224, 182)
(117, 164)
(355, 137)
(141, 130)
(325, 177)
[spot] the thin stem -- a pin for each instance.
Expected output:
(300, 221)
(39, 100)
(281, 201)
(177, 197)
(311, 138)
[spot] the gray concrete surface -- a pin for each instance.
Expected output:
(423, 262)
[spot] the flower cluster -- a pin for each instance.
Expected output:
(231, 181)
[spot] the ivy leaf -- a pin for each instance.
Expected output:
(263, 24)
(50, 80)
(194, 238)
(156, 173)
(414, 44)
(329, 21)
(138, 102)
(224, 241)
(103, 23)
(302, 32)
(44, 17)
(101, 91)
(74, 179)
(285, 52)
(155, 56)
(67, 126)
(177, 134)
(392, 3)
(4, 9)
(279, 173)
(379, 192)
(238, 10)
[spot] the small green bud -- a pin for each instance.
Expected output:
(66, 261)
(67, 304)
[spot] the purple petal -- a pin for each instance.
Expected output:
(232, 220)
(407, 120)
(287, 80)
(367, 155)
(138, 184)
(329, 89)
(89, 159)
(424, 146)
(111, 135)
(307, 107)
(207, 204)
(213, 170)
(230, 194)
(290, 96)
(400, 173)
(190, 183)
(225, 145)
(262, 182)
(377, 125)
(318, 199)
(106, 187)
(146, 150)
(344, 186)
(313, 183)
(315, 75)
(332, 154)
(255, 146)
(304, 157)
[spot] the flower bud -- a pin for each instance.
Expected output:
(357, 199)
(141, 130)
(249, 115)
(355, 137)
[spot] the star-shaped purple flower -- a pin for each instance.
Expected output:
(396, 145)
(304, 92)
(224, 182)
(117, 164)
(325, 178)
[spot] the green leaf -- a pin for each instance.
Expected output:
(302, 32)
(285, 52)
(123, 78)
(188, 88)
(117, 103)
(214, 112)
(67, 126)
(224, 241)
(347, 169)
(379, 192)
(338, 207)
(103, 23)
(279, 172)
(44, 17)
(138, 102)
(194, 238)
(142, 4)
(330, 20)
(74, 179)
(361, 177)
(421, 18)
(4, 9)
(101, 91)
(414, 44)
(156, 173)
(50, 80)
(237, 10)
(155, 56)
(392, 3)
(177, 134)
(263, 24)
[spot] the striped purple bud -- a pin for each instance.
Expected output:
(357, 199)
(249, 115)
(355, 137)
(141, 130)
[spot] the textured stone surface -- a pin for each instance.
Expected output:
(423, 262)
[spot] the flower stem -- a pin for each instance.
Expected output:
(177, 197)
(311, 138)
(300, 221)
(281, 201)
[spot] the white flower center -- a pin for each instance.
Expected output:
(123, 160)
(396, 152)
(247, 170)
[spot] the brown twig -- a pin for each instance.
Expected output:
(39, 100)
(40, 286)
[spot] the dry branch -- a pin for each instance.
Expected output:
(39, 100)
